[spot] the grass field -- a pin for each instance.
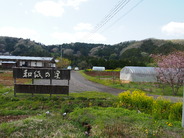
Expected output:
(79, 115)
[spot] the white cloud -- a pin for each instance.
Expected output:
(50, 8)
(83, 26)
(174, 28)
(66, 37)
(75, 3)
(56, 9)
(21, 4)
(19, 32)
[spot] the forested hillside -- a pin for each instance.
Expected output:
(84, 55)
(22, 47)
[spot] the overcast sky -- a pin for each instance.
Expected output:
(91, 21)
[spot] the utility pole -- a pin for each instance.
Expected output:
(183, 109)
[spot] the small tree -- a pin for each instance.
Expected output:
(171, 69)
(63, 63)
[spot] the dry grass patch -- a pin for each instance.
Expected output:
(6, 79)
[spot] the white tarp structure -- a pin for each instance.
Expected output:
(138, 74)
(97, 68)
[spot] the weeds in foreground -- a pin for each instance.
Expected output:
(87, 114)
(120, 122)
(92, 122)
(40, 126)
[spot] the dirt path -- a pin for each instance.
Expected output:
(79, 84)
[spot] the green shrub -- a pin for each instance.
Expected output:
(159, 108)
(176, 111)
(136, 100)
(125, 99)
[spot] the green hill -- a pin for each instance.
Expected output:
(86, 55)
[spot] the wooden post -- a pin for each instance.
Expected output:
(51, 76)
(14, 87)
(50, 84)
(33, 82)
(33, 92)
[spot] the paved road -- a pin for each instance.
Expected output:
(79, 84)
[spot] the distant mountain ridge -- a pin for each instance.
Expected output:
(132, 52)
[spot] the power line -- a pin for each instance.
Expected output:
(123, 15)
(113, 12)
(121, 4)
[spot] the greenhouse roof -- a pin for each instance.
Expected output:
(140, 70)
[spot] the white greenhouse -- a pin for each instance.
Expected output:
(138, 74)
(97, 68)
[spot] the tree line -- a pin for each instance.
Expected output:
(86, 55)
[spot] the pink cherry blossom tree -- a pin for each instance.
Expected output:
(171, 69)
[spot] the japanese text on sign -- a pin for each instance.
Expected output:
(41, 73)
(38, 75)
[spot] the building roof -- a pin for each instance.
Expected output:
(26, 58)
(9, 62)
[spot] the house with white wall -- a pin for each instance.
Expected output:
(26, 61)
